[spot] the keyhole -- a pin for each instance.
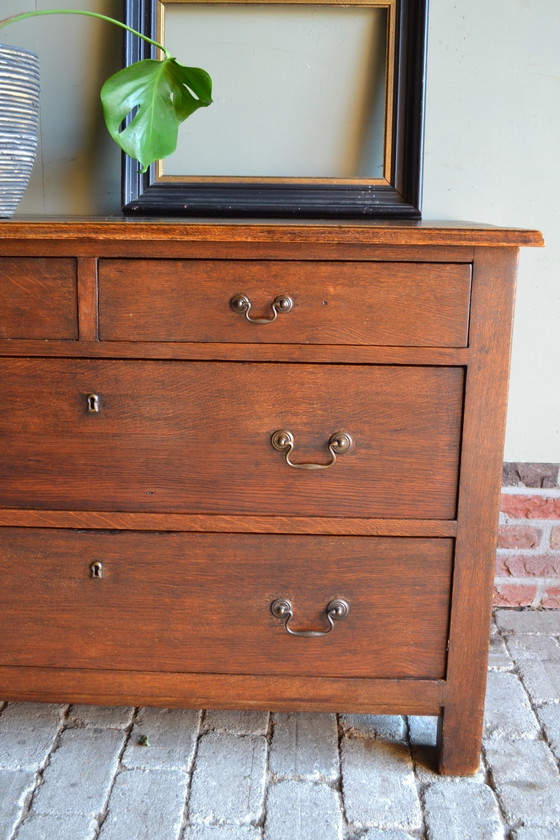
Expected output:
(96, 569)
(93, 403)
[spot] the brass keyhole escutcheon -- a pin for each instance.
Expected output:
(93, 403)
(96, 569)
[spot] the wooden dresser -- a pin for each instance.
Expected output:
(253, 464)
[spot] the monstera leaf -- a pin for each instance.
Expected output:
(160, 94)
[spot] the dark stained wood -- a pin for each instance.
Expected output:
(175, 486)
(479, 497)
(204, 249)
(87, 298)
(369, 232)
(222, 691)
(205, 604)
(349, 526)
(196, 438)
(239, 352)
(401, 304)
(38, 298)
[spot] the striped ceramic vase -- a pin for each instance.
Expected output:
(19, 119)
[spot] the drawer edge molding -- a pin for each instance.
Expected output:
(258, 691)
(216, 352)
(27, 518)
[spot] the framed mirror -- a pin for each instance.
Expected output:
(318, 108)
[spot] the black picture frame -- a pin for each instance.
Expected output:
(397, 197)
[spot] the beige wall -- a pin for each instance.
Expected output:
(492, 155)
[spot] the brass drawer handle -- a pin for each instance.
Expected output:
(335, 610)
(242, 305)
(338, 444)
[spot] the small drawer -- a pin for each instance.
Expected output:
(204, 603)
(38, 298)
(362, 303)
(214, 437)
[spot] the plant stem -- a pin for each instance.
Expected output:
(25, 15)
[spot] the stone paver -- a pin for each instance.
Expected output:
(385, 727)
(541, 679)
(461, 811)
(243, 775)
(304, 746)
(304, 811)
(27, 734)
(81, 772)
(499, 658)
(549, 716)
(115, 717)
(378, 784)
(508, 712)
(377, 834)
(146, 805)
(238, 723)
(228, 779)
(526, 780)
(16, 786)
(422, 730)
(537, 622)
(163, 738)
(57, 827)
(222, 832)
(534, 647)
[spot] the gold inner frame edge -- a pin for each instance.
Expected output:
(389, 5)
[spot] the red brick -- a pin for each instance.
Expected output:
(514, 595)
(530, 507)
(555, 539)
(518, 536)
(528, 565)
(551, 598)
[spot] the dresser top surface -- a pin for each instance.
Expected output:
(360, 232)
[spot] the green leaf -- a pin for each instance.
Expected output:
(164, 93)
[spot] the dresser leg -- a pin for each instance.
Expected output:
(459, 741)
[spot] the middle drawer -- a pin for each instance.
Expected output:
(198, 437)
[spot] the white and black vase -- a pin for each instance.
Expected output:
(19, 120)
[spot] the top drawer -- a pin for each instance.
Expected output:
(391, 304)
(38, 298)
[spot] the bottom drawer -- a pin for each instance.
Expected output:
(187, 602)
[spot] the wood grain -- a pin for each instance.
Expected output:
(479, 498)
(199, 523)
(350, 526)
(87, 298)
(221, 691)
(372, 232)
(402, 304)
(204, 605)
(192, 437)
(38, 298)
(321, 354)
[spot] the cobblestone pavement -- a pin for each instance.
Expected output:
(92, 773)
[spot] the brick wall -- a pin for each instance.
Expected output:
(528, 556)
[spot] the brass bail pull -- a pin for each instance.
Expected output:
(334, 611)
(242, 305)
(338, 444)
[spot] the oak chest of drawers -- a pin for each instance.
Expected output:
(253, 465)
